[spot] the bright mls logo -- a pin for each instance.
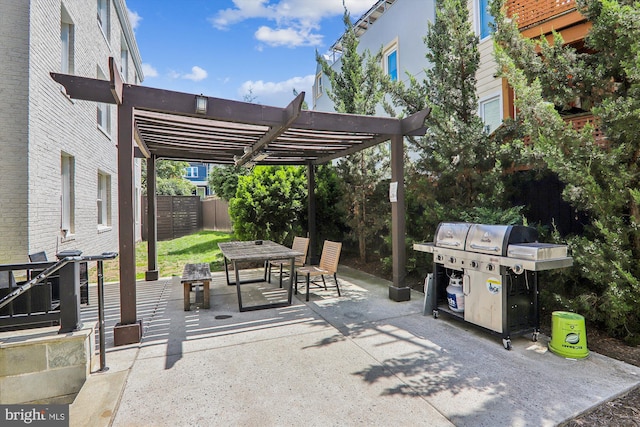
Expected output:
(36, 415)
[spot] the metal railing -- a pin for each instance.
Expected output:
(68, 314)
(531, 12)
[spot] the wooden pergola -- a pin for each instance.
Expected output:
(181, 126)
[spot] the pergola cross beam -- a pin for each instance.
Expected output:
(290, 114)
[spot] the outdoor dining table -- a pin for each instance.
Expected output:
(257, 250)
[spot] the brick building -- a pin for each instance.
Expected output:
(58, 167)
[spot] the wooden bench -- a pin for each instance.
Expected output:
(194, 274)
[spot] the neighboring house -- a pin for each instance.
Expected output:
(198, 173)
(58, 166)
(493, 93)
(399, 27)
(541, 18)
(396, 26)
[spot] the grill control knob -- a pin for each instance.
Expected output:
(474, 264)
(439, 257)
(452, 260)
(490, 267)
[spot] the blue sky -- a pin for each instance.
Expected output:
(233, 48)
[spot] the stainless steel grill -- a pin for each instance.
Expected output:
(499, 265)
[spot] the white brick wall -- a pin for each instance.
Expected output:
(14, 38)
(53, 124)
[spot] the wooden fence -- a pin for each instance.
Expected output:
(179, 216)
(215, 215)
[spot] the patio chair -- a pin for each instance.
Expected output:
(328, 265)
(300, 244)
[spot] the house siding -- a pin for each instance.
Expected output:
(406, 22)
(54, 124)
(486, 82)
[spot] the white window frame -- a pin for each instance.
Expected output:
(67, 38)
(124, 60)
(191, 172)
(103, 16)
(103, 111)
(482, 103)
(477, 4)
(104, 200)
(318, 88)
(67, 197)
(386, 52)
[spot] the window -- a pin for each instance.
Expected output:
(392, 65)
(491, 113)
(104, 200)
(124, 60)
(390, 58)
(103, 17)
(66, 37)
(318, 88)
(485, 18)
(103, 111)
(191, 172)
(68, 203)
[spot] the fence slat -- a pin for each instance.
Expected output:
(179, 216)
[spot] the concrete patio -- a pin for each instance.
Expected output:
(356, 359)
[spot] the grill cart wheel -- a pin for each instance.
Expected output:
(534, 338)
(506, 343)
(435, 314)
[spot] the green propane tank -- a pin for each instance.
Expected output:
(568, 335)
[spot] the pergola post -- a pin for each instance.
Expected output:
(398, 291)
(152, 272)
(311, 206)
(129, 330)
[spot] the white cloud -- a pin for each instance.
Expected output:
(134, 18)
(196, 74)
(287, 37)
(148, 70)
(276, 93)
(296, 21)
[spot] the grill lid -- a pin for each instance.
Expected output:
(495, 239)
(452, 235)
(537, 251)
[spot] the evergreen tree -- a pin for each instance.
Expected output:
(269, 204)
(601, 177)
(357, 89)
(223, 180)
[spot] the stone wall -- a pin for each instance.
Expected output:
(40, 364)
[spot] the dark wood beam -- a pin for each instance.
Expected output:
(413, 125)
(350, 123)
(288, 116)
(398, 291)
(152, 272)
(85, 88)
(129, 330)
(353, 149)
(115, 80)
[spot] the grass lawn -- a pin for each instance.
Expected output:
(173, 255)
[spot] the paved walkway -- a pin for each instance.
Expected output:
(359, 359)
